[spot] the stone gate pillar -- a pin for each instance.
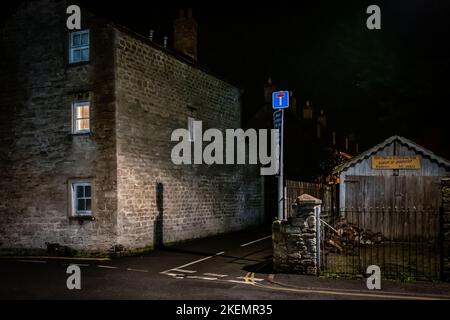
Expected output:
(445, 227)
(295, 241)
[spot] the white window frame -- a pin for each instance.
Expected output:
(81, 47)
(75, 106)
(74, 199)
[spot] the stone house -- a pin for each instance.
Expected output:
(85, 137)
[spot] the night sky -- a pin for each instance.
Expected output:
(371, 83)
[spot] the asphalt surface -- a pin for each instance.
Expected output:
(228, 267)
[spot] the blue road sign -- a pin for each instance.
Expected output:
(280, 100)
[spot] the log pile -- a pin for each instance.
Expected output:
(345, 237)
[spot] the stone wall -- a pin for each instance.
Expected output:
(295, 240)
(38, 153)
(446, 229)
(140, 94)
(158, 201)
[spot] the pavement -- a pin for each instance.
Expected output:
(234, 266)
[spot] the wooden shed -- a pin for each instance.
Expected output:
(396, 173)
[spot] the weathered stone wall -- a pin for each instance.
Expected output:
(159, 201)
(295, 240)
(446, 228)
(38, 153)
(140, 94)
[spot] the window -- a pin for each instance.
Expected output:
(81, 199)
(191, 129)
(79, 46)
(81, 117)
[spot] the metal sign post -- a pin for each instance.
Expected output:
(280, 102)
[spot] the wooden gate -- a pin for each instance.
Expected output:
(392, 192)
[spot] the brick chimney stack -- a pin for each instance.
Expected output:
(186, 34)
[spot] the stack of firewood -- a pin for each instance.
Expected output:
(345, 237)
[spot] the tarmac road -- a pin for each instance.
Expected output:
(228, 267)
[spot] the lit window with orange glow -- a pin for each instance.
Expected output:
(81, 117)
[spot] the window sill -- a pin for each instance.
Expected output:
(81, 134)
(77, 64)
(82, 218)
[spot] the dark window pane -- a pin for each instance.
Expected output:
(80, 193)
(76, 56)
(87, 191)
(81, 205)
(88, 205)
(76, 40)
(85, 55)
(85, 39)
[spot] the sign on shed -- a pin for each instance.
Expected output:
(396, 163)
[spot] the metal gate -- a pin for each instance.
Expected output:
(403, 242)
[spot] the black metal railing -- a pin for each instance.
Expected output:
(403, 242)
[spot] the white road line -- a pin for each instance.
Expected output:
(32, 261)
(194, 262)
(256, 241)
(184, 271)
(175, 275)
(255, 279)
(107, 267)
(201, 278)
(80, 264)
(137, 270)
(215, 275)
(236, 281)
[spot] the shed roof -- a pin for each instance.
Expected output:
(367, 154)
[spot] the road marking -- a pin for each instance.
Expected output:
(184, 271)
(80, 264)
(256, 241)
(350, 294)
(236, 281)
(215, 275)
(55, 258)
(201, 278)
(250, 278)
(107, 267)
(178, 276)
(32, 261)
(137, 270)
(193, 262)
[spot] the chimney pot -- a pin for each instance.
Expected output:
(185, 35)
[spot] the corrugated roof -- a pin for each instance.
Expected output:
(367, 154)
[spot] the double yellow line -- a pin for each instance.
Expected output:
(250, 278)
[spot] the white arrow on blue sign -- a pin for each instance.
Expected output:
(280, 100)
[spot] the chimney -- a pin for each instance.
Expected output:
(269, 88)
(307, 112)
(186, 34)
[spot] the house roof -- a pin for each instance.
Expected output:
(367, 154)
(108, 18)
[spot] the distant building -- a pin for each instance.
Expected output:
(85, 137)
